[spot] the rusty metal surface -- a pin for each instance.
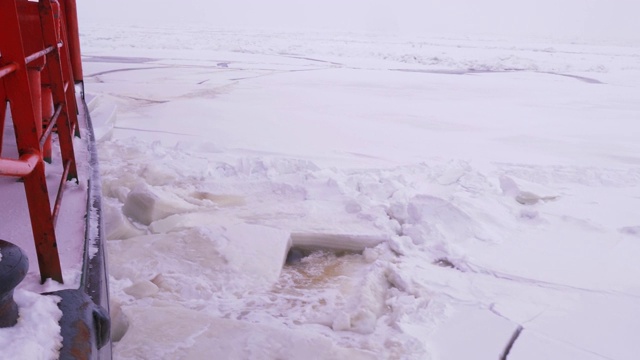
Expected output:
(85, 326)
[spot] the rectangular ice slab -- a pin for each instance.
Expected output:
(256, 250)
(202, 261)
(347, 242)
(146, 204)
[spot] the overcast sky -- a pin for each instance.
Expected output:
(580, 19)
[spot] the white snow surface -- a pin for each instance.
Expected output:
(480, 192)
(37, 334)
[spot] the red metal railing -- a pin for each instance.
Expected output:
(39, 64)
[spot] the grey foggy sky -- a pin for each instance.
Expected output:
(614, 20)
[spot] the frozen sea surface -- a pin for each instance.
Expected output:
(445, 198)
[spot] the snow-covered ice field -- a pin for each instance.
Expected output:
(444, 197)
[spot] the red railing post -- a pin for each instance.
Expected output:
(36, 94)
(66, 60)
(47, 114)
(73, 36)
(62, 89)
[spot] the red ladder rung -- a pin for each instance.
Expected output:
(63, 181)
(52, 123)
(8, 69)
(21, 167)
(40, 53)
(74, 128)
